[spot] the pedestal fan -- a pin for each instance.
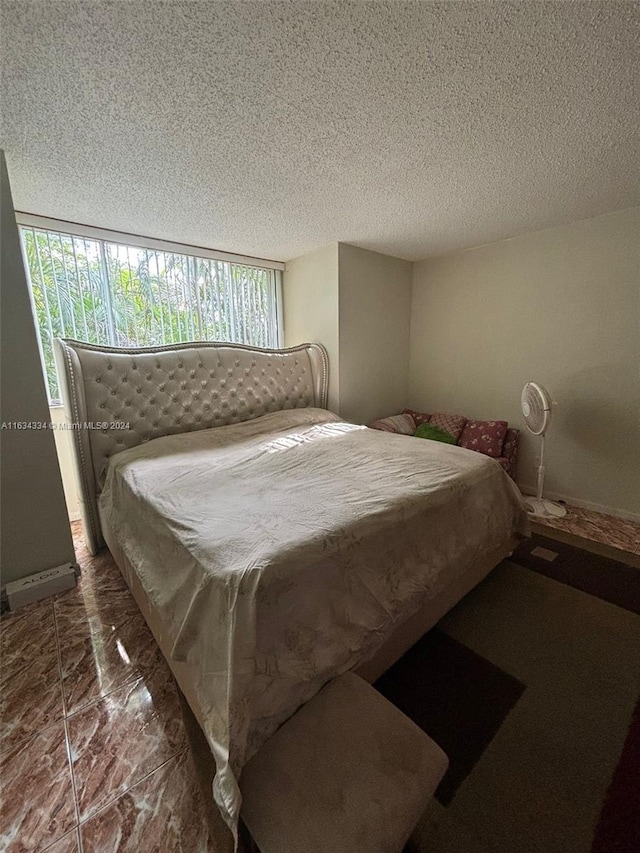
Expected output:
(537, 407)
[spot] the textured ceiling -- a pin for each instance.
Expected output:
(271, 128)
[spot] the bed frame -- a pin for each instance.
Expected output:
(118, 398)
(166, 390)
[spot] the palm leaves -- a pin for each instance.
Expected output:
(110, 293)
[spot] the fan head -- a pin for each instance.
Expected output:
(536, 407)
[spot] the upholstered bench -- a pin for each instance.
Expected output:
(348, 773)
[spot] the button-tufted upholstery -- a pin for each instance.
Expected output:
(161, 391)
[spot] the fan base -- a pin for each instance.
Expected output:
(544, 509)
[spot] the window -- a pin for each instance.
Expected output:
(105, 289)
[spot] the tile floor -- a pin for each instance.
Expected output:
(606, 529)
(93, 751)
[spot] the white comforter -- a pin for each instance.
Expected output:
(284, 550)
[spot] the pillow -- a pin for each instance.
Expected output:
(453, 424)
(419, 417)
(484, 436)
(435, 433)
(403, 424)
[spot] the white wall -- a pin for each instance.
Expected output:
(35, 531)
(357, 303)
(64, 448)
(375, 319)
(310, 298)
(562, 307)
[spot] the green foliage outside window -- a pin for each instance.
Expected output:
(109, 293)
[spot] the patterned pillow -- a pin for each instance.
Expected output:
(403, 424)
(484, 436)
(419, 417)
(453, 424)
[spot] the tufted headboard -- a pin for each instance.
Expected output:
(165, 390)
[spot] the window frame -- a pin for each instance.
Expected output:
(75, 229)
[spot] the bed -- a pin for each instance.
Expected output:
(269, 544)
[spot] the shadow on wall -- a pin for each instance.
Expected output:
(593, 412)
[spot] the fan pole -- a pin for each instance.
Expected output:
(541, 470)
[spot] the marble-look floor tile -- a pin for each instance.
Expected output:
(36, 793)
(69, 844)
(118, 740)
(89, 610)
(607, 529)
(106, 659)
(101, 573)
(83, 556)
(163, 812)
(30, 692)
(78, 618)
(24, 632)
(97, 592)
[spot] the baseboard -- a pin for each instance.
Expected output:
(568, 499)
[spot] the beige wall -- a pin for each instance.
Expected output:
(357, 303)
(35, 533)
(310, 299)
(375, 315)
(561, 307)
(64, 447)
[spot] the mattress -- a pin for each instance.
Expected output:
(282, 551)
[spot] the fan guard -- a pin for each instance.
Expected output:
(536, 407)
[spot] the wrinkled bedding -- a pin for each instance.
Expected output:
(282, 551)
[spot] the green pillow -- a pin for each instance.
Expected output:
(435, 433)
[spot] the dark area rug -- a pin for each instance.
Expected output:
(618, 829)
(602, 577)
(457, 697)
